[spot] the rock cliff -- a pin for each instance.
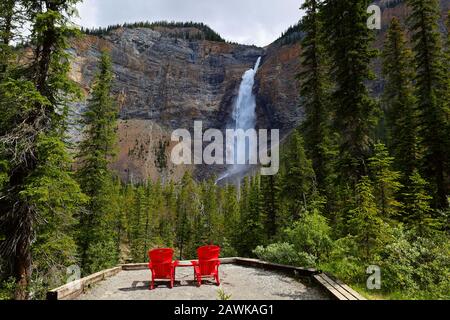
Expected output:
(164, 82)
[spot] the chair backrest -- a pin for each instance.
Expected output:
(161, 255)
(161, 260)
(208, 252)
(205, 254)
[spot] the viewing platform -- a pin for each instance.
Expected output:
(241, 279)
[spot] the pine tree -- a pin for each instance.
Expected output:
(270, 193)
(212, 219)
(230, 212)
(365, 222)
(417, 212)
(386, 181)
(137, 225)
(186, 207)
(431, 92)
(399, 99)
(298, 177)
(7, 19)
(315, 93)
(251, 226)
(355, 112)
(39, 183)
(167, 222)
(95, 153)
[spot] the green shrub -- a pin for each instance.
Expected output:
(311, 235)
(285, 253)
(417, 267)
(7, 288)
(344, 261)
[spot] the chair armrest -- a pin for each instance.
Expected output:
(213, 260)
(195, 263)
(176, 263)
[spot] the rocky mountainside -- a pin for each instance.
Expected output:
(164, 81)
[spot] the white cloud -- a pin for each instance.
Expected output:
(257, 22)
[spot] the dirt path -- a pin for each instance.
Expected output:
(241, 282)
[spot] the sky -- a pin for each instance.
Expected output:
(257, 22)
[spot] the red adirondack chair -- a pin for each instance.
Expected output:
(208, 264)
(161, 266)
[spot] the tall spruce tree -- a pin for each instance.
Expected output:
(432, 96)
(315, 93)
(365, 222)
(39, 190)
(95, 153)
(417, 212)
(270, 193)
(355, 112)
(298, 177)
(385, 181)
(399, 99)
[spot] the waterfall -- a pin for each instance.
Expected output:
(244, 117)
(244, 113)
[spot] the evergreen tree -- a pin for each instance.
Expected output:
(213, 220)
(315, 93)
(167, 222)
(230, 212)
(298, 177)
(365, 222)
(186, 207)
(270, 193)
(95, 153)
(39, 184)
(137, 225)
(251, 226)
(354, 110)
(386, 181)
(399, 99)
(431, 93)
(417, 212)
(7, 20)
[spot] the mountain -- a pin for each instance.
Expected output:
(169, 75)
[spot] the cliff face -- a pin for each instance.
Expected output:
(163, 83)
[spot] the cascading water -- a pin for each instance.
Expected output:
(244, 113)
(244, 117)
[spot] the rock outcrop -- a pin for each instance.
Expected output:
(163, 83)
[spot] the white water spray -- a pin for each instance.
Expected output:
(244, 116)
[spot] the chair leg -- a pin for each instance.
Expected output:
(217, 279)
(152, 285)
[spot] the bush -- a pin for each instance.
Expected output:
(285, 253)
(419, 267)
(344, 261)
(311, 235)
(397, 262)
(7, 288)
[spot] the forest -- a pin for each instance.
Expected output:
(363, 180)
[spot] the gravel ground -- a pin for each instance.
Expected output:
(241, 282)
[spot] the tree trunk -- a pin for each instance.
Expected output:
(22, 271)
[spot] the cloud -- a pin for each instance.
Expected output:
(257, 22)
